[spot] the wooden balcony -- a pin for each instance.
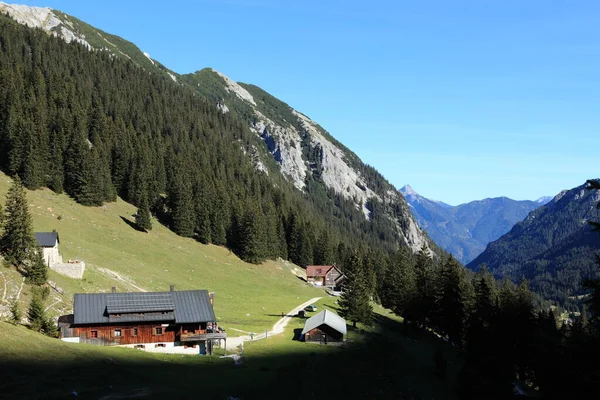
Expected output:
(196, 337)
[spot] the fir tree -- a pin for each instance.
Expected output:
(17, 239)
(36, 270)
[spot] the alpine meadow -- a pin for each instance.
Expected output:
(172, 235)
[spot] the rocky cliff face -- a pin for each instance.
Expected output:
(299, 148)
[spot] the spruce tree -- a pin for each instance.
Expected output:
(355, 300)
(142, 217)
(17, 239)
(15, 312)
(451, 305)
(252, 235)
(35, 312)
(425, 284)
(36, 270)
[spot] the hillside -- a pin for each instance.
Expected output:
(466, 229)
(118, 255)
(553, 247)
(279, 141)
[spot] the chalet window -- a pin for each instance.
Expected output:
(158, 330)
(160, 345)
(93, 334)
(134, 332)
(140, 346)
(117, 333)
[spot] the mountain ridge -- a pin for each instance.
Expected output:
(553, 247)
(286, 140)
(466, 229)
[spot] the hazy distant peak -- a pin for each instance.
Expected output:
(408, 191)
(544, 199)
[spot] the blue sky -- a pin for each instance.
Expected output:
(461, 99)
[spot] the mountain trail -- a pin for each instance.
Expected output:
(119, 277)
(278, 328)
(4, 293)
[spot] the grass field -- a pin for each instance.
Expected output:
(247, 297)
(381, 361)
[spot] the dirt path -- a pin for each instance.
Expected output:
(3, 294)
(119, 277)
(279, 327)
(20, 289)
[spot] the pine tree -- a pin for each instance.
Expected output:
(142, 217)
(36, 270)
(18, 238)
(355, 301)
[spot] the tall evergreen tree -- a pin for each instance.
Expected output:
(142, 217)
(35, 313)
(252, 235)
(424, 304)
(451, 304)
(355, 300)
(36, 270)
(17, 239)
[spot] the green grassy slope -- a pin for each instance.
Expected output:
(378, 363)
(247, 297)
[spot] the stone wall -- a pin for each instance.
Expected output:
(73, 269)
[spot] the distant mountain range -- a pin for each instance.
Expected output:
(466, 229)
(553, 247)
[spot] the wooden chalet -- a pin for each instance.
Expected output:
(325, 327)
(328, 276)
(171, 322)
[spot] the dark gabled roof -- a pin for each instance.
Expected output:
(187, 306)
(120, 303)
(47, 239)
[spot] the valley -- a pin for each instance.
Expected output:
(203, 208)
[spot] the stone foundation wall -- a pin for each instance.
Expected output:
(72, 270)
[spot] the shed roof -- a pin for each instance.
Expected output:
(318, 270)
(47, 239)
(186, 306)
(328, 318)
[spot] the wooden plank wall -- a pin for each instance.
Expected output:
(145, 334)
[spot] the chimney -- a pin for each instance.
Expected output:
(172, 288)
(113, 289)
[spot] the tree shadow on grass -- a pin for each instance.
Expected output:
(133, 225)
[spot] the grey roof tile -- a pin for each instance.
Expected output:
(186, 306)
(47, 239)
